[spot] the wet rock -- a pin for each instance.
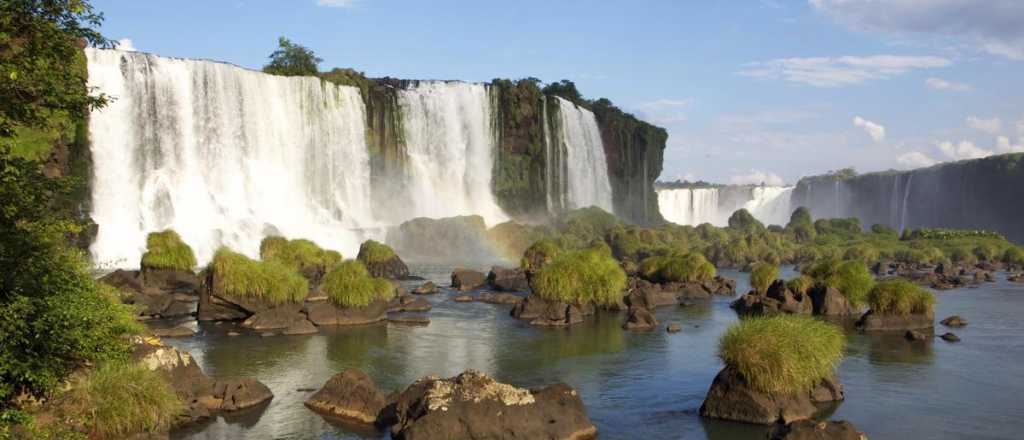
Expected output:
(409, 320)
(236, 394)
(351, 395)
(324, 313)
(914, 335)
(674, 328)
(465, 280)
(392, 268)
(954, 321)
(640, 319)
(180, 331)
(813, 430)
(171, 281)
(427, 288)
(720, 285)
(643, 293)
(827, 301)
(541, 312)
(508, 280)
(777, 300)
(126, 280)
(157, 293)
(490, 298)
(950, 337)
(281, 317)
(731, 398)
(408, 303)
(871, 321)
(300, 327)
(472, 405)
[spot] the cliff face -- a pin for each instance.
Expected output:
(974, 194)
(520, 164)
(635, 151)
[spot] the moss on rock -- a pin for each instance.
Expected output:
(269, 281)
(166, 250)
(349, 284)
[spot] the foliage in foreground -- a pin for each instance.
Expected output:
(899, 297)
(350, 285)
(762, 276)
(583, 276)
(372, 251)
(297, 254)
(270, 281)
(120, 398)
(782, 354)
(166, 250)
(688, 267)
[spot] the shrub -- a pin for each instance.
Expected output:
(862, 252)
(297, 254)
(374, 252)
(688, 267)
(1014, 256)
(986, 252)
(540, 254)
(166, 250)
(964, 256)
(269, 281)
(801, 225)
(853, 279)
(800, 284)
(782, 354)
(899, 297)
(586, 276)
(742, 220)
(350, 285)
(762, 277)
(885, 231)
(119, 399)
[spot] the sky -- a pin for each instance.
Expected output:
(750, 91)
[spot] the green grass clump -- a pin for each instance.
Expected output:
(349, 284)
(374, 252)
(762, 276)
(862, 252)
(782, 354)
(688, 267)
(899, 297)
(800, 284)
(539, 254)
(1014, 256)
(585, 276)
(166, 250)
(119, 399)
(297, 254)
(269, 281)
(851, 278)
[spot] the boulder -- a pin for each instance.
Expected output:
(674, 328)
(465, 280)
(236, 394)
(871, 321)
(720, 285)
(324, 313)
(284, 316)
(350, 395)
(777, 300)
(914, 335)
(300, 327)
(827, 301)
(408, 303)
(427, 288)
(157, 293)
(950, 337)
(547, 313)
(954, 321)
(409, 319)
(812, 430)
(392, 268)
(643, 293)
(472, 405)
(508, 280)
(126, 280)
(731, 398)
(640, 319)
(171, 281)
(1015, 278)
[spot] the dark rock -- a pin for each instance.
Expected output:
(777, 300)
(871, 321)
(954, 321)
(472, 405)
(171, 281)
(351, 395)
(236, 394)
(813, 430)
(324, 313)
(640, 319)
(284, 316)
(466, 280)
(950, 337)
(126, 280)
(674, 328)
(827, 301)
(508, 280)
(173, 332)
(393, 268)
(914, 335)
(1015, 278)
(427, 288)
(408, 303)
(409, 319)
(547, 313)
(643, 293)
(731, 398)
(300, 327)
(720, 285)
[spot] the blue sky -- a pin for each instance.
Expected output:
(750, 91)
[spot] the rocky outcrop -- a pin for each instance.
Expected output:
(651, 295)
(450, 239)
(541, 312)
(350, 395)
(732, 398)
(324, 313)
(508, 280)
(777, 300)
(871, 321)
(954, 321)
(157, 293)
(392, 268)
(827, 301)
(465, 279)
(640, 319)
(472, 405)
(408, 303)
(812, 430)
(427, 288)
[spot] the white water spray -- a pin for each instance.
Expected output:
(586, 165)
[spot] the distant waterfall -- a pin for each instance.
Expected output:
(903, 209)
(450, 147)
(223, 155)
(585, 163)
(694, 206)
(771, 204)
(690, 206)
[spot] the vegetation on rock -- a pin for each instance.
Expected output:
(539, 254)
(688, 267)
(269, 281)
(762, 276)
(784, 353)
(374, 252)
(349, 284)
(583, 276)
(297, 254)
(851, 278)
(166, 250)
(899, 297)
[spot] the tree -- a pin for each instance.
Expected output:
(291, 59)
(565, 89)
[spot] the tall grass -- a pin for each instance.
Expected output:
(800, 284)
(782, 354)
(539, 254)
(374, 252)
(899, 297)
(297, 254)
(269, 281)
(675, 267)
(166, 250)
(851, 278)
(762, 276)
(118, 399)
(584, 276)
(349, 284)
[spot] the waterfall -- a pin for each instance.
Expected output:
(771, 204)
(903, 210)
(894, 201)
(690, 206)
(223, 155)
(586, 167)
(450, 146)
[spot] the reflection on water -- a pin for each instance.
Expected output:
(636, 385)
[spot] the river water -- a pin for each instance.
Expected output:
(636, 385)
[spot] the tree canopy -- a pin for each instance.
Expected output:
(291, 59)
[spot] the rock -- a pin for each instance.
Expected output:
(392, 268)
(812, 430)
(465, 280)
(472, 405)
(463, 298)
(643, 293)
(547, 313)
(490, 298)
(300, 327)
(1015, 278)
(777, 300)
(324, 313)
(878, 322)
(950, 337)
(720, 285)
(427, 288)
(171, 281)
(731, 398)
(180, 331)
(827, 301)
(351, 395)
(284, 316)
(640, 319)
(126, 280)
(954, 321)
(409, 320)
(236, 394)
(508, 280)
(914, 335)
(408, 303)
(234, 334)
(674, 328)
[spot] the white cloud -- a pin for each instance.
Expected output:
(952, 86)
(989, 26)
(991, 126)
(664, 111)
(962, 150)
(840, 71)
(125, 44)
(1003, 145)
(876, 131)
(336, 3)
(756, 177)
(915, 159)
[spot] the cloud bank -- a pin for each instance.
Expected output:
(840, 71)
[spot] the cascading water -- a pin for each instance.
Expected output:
(224, 156)
(903, 209)
(586, 167)
(690, 206)
(770, 204)
(450, 146)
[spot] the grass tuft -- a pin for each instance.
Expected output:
(762, 276)
(782, 354)
(374, 252)
(349, 284)
(851, 278)
(900, 297)
(688, 267)
(539, 254)
(166, 250)
(800, 284)
(297, 254)
(269, 281)
(584, 276)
